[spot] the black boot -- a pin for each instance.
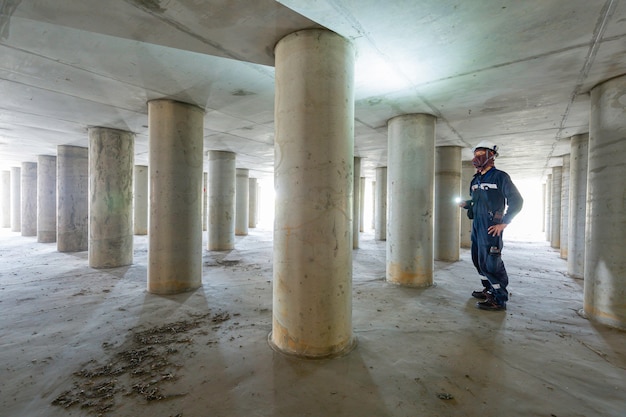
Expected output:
(481, 295)
(491, 304)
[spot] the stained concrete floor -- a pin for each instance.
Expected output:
(76, 341)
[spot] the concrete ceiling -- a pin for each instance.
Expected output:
(516, 72)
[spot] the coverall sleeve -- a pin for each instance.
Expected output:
(514, 200)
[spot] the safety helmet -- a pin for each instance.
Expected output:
(487, 144)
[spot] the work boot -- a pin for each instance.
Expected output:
(491, 304)
(481, 295)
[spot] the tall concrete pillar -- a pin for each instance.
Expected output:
(253, 209)
(72, 198)
(314, 182)
(564, 208)
(555, 207)
(111, 157)
(447, 214)
(543, 207)
(467, 173)
(242, 202)
(362, 204)
(5, 210)
(548, 207)
(16, 199)
(356, 206)
(410, 193)
(140, 200)
(380, 214)
(579, 155)
(29, 199)
(46, 199)
(205, 214)
(222, 200)
(374, 197)
(605, 263)
(175, 223)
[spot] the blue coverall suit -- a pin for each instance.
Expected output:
(491, 193)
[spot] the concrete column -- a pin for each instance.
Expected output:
(5, 210)
(605, 240)
(356, 206)
(72, 198)
(543, 207)
(314, 182)
(467, 173)
(564, 207)
(222, 186)
(175, 225)
(447, 214)
(362, 204)
(242, 203)
(16, 199)
(29, 199)
(555, 207)
(374, 197)
(548, 207)
(410, 193)
(253, 209)
(579, 155)
(205, 214)
(380, 214)
(140, 200)
(111, 157)
(47, 199)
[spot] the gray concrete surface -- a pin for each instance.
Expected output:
(423, 352)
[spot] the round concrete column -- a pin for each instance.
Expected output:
(467, 173)
(543, 207)
(29, 199)
(205, 214)
(47, 199)
(362, 204)
(555, 207)
(605, 263)
(175, 233)
(447, 214)
(314, 183)
(548, 207)
(140, 200)
(410, 189)
(253, 208)
(16, 199)
(222, 186)
(356, 203)
(373, 221)
(380, 214)
(579, 155)
(72, 198)
(242, 203)
(111, 156)
(6, 199)
(564, 208)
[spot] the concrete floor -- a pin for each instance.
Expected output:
(76, 341)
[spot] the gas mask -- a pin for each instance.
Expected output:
(481, 162)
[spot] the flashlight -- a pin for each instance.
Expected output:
(457, 200)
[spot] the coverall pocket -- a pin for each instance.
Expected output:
(494, 260)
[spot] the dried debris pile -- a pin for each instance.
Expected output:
(140, 367)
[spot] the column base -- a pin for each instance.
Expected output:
(332, 355)
(601, 317)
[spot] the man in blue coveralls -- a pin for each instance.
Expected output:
(494, 202)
